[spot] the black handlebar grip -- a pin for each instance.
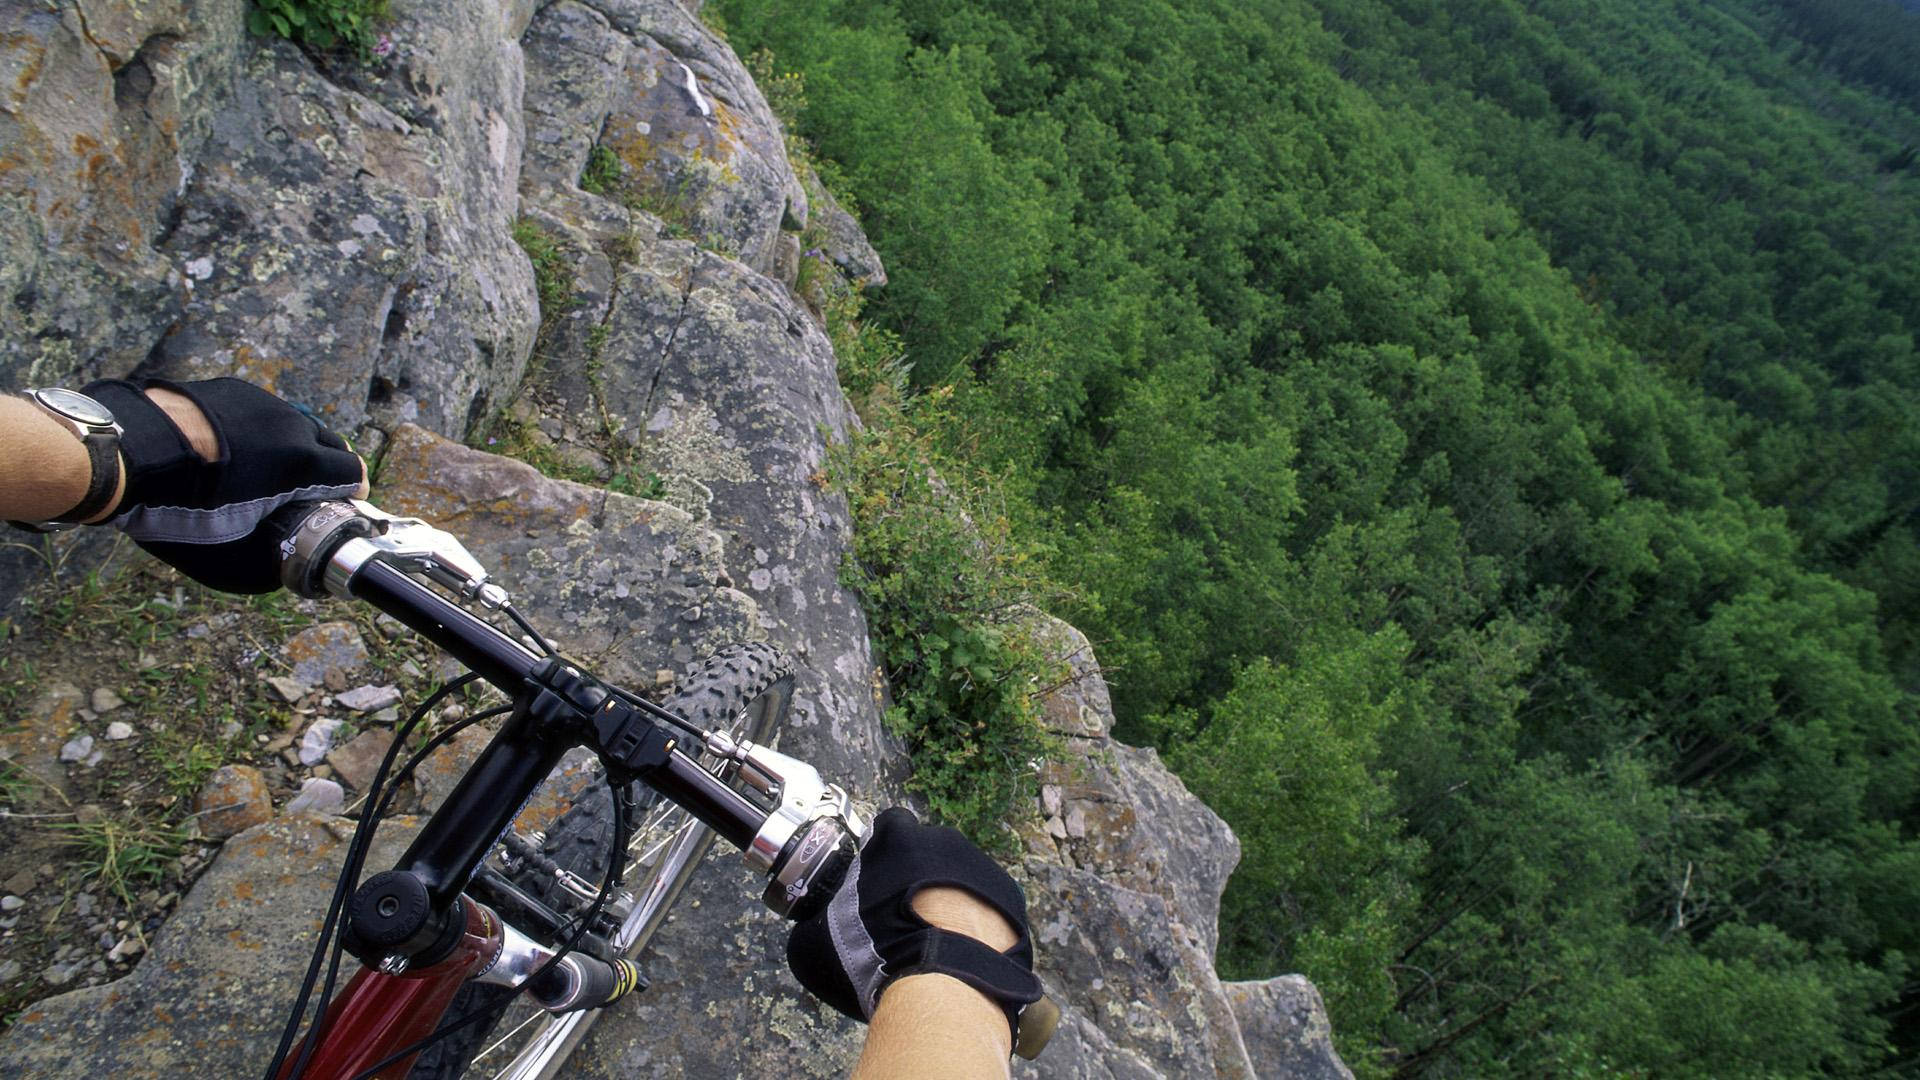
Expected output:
(824, 883)
(585, 982)
(306, 534)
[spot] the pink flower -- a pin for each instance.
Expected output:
(383, 47)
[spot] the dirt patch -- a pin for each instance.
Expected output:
(119, 699)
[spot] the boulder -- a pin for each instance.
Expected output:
(1286, 1029)
(611, 577)
(209, 997)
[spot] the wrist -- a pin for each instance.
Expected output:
(964, 1012)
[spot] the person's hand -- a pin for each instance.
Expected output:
(206, 462)
(917, 900)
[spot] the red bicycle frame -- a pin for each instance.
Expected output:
(378, 1014)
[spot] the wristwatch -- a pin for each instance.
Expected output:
(94, 426)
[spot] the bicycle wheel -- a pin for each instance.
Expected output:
(741, 689)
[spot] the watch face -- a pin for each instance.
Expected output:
(79, 407)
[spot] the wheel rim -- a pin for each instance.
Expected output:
(530, 1043)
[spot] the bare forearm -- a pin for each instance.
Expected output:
(935, 1027)
(46, 469)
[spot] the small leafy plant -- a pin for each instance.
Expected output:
(602, 172)
(320, 24)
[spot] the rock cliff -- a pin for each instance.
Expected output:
(180, 198)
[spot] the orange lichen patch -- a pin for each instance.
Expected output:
(84, 145)
(29, 71)
(243, 890)
(258, 369)
(726, 122)
(162, 1015)
(240, 941)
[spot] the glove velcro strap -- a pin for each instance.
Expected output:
(156, 453)
(999, 977)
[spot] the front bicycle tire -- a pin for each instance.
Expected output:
(741, 689)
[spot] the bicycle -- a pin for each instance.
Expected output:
(479, 926)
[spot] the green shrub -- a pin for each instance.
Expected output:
(948, 588)
(322, 24)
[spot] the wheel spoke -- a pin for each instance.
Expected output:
(509, 1036)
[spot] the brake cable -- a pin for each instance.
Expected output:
(380, 796)
(362, 839)
(610, 880)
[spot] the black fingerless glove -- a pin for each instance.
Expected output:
(200, 515)
(869, 935)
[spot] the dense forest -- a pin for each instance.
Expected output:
(1483, 438)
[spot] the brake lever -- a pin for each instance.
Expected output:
(327, 543)
(811, 833)
(415, 545)
(809, 839)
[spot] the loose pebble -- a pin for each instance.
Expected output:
(369, 698)
(318, 796)
(289, 690)
(119, 731)
(318, 740)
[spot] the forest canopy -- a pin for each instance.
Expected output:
(1483, 439)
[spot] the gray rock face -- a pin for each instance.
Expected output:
(349, 247)
(696, 142)
(842, 241)
(104, 110)
(1116, 956)
(1286, 1029)
(203, 1001)
(613, 578)
(574, 62)
(729, 390)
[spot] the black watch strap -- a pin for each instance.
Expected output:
(103, 453)
(103, 461)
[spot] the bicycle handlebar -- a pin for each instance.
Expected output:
(804, 844)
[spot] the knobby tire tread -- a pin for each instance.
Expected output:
(710, 697)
